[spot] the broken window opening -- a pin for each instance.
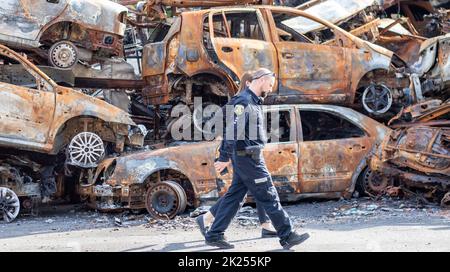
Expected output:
(292, 27)
(237, 25)
(281, 132)
(323, 126)
(14, 72)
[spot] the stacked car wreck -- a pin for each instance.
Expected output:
(385, 59)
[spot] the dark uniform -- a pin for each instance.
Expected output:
(249, 169)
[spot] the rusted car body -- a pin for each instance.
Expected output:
(427, 18)
(41, 118)
(208, 61)
(64, 31)
(416, 154)
(300, 162)
(425, 60)
(39, 122)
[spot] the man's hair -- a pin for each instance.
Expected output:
(262, 72)
(246, 77)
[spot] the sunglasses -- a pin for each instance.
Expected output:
(263, 75)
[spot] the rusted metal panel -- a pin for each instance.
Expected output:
(314, 73)
(192, 57)
(20, 122)
(29, 18)
(333, 172)
(245, 55)
(155, 58)
(424, 149)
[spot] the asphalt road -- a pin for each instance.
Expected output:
(356, 225)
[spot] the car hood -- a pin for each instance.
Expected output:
(97, 107)
(194, 160)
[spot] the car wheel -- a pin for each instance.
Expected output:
(165, 200)
(63, 54)
(373, 183)
(85, 150)
(9, 204)
(377, 99)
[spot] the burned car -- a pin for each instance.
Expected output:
(166, 180)
(416, 155)
(208, 61)
(42, 121)
(429, 17)
(426, 18)
(63, 31)
(424, 61)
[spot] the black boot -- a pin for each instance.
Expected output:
(265, 233)
(294, 239)
(220, 243)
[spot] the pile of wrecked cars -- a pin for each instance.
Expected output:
(371, 87)
(45, 127)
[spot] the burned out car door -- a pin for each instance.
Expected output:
(332, 147)
(21, 21)
(308, 72)
(240, 41)
(281, 150)
(27, 111)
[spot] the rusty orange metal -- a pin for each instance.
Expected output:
(298, 166)
(44, 117)
(209, 60)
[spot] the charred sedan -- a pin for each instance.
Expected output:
(167, 180)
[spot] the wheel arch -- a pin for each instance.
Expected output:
(75, 125)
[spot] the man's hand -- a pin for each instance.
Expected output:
(220, 166)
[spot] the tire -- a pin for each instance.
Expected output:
(165, 200)
(9, 205)
(372, 183)
(85, 150)
(377, 99)
(63, 54)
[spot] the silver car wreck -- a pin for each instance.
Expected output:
(64, 31)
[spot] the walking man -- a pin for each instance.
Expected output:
(249, 169)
